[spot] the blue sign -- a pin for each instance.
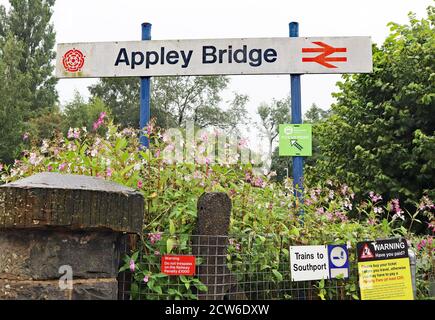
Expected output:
(338, 257)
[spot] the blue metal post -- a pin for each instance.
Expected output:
(296, 113)
(145, 83)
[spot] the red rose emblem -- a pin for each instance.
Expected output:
(73, 60)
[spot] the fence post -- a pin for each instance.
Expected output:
(413, 265)
(61, 236)
(210, 243)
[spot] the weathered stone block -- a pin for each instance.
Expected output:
(73, 202)
(91, 289)
(38, 254)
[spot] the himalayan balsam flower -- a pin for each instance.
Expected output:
(109, 172)
(62, 166)
(99, 121)
(146, 279)
(154, 237)
(378, 210)
(374, 197)
(1, 166)
(25, 136)
(49, 168)
(139, 184)
(320, 210)
(132, 266)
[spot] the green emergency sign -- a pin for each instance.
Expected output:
(295, 140)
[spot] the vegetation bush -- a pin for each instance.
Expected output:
(262, 209)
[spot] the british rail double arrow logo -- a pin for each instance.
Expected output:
(323, 58)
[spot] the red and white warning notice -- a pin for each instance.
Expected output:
(178, 265)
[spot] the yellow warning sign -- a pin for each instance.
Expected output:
(384, 270)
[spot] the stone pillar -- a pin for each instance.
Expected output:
(210, 242)
(54, 226)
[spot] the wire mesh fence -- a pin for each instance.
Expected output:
(235, 267)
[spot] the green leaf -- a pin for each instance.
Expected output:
(171, 227)
(277, 274)
(170, 244)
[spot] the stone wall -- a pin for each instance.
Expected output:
(50, 223)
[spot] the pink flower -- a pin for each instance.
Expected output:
(25, 136)
(344, 189)
(320, 210)
(204, 137)
(243, 143)
(1, 166)
(99, 121)
(33, 160)
(374, 197)
(146, 279)
(139, 184)
(109, 172)
(248, 177)
(396, 208)
(156, 253)
(154, 237)
(259, 182)
(63, 166)
(49, 168)
(378, 210)
(157, 153)
(76, 133)
(132, 266)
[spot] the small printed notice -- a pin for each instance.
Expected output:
(178, 265)
(384, 270)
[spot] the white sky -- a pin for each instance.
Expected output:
(112, 20)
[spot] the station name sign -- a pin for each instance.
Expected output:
(214, 57)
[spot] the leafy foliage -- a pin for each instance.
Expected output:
(174, 100)
(380, 135)
(264, 219)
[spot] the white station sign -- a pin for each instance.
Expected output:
(214, 57)
(319, 262)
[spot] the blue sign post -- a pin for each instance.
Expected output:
(145, 94)
(296, 114)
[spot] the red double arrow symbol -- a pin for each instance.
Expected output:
(323, 58)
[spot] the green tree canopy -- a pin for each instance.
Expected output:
(28, 21)
(380, 136)
(173, 101)
(13, 92)
(78, 113)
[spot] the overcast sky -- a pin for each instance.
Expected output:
(111, 20)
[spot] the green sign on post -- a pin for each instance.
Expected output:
(295, 140)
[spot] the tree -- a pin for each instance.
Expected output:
(174, 100)
(14, 91)
(315, 114)
(271, 116)
(78, 113)
(380, 136)
(28, 21)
